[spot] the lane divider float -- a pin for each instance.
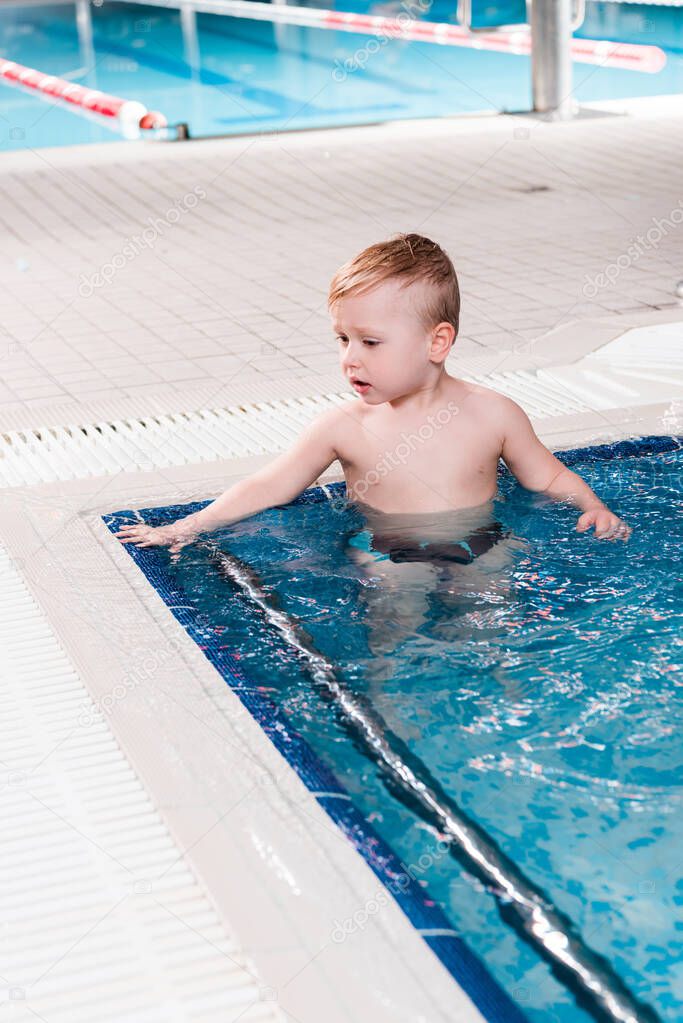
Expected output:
(129, 114)
(626, 56)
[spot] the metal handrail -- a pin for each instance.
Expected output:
(464, 16)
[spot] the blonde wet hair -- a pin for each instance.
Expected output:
(410, 258)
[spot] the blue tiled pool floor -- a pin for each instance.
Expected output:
(646, 497)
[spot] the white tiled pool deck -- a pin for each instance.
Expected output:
(221, 304)
(230, 299)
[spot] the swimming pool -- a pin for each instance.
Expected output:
(255, 76)
(541, 695)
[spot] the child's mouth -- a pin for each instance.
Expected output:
(360, 385)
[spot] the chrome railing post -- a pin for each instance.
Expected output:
(188, 23)
(551, 60)
(85, 39)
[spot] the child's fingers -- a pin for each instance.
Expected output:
(140, 540)
(618, 531)
(611, 530)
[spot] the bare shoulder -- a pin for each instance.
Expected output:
(469, 391)
(485, 399)
(340, 416)
(498, 415)
(352, 412)
(334, 423)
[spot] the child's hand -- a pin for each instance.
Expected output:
(173, 536)
(608, 526)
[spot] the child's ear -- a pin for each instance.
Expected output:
(443, 337)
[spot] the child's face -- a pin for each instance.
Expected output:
(383, 342)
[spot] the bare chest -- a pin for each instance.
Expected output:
(439, 462)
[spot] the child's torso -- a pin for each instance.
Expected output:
(442, 460)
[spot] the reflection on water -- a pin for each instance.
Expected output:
(539, 682)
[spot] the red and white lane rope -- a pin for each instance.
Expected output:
(129, 113)
(627, 56)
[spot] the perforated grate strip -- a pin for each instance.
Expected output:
(100, 903)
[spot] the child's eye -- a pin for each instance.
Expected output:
(366, 341)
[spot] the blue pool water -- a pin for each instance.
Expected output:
(255, 76)
(543, 694)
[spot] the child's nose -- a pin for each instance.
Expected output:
(350, 360)
(351, 355)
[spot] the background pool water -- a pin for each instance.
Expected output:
(255, 76)
(544, 697)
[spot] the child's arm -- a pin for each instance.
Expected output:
(279, 482)
(537, 469)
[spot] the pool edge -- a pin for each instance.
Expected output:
(50, 527)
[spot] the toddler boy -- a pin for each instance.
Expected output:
(419, 448)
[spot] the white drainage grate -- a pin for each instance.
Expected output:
(642, 366)
(103, 920)
(98, 449)
(539, 394)
(47, 454)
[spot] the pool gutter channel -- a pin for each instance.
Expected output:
(68, 872)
